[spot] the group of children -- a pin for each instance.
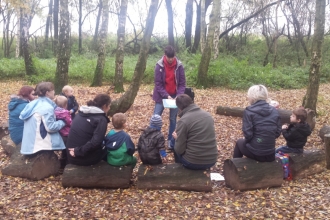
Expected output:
(120, 147)
(151, 144)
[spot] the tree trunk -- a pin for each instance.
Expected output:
(203, 26)
(18, 35)
(217, 33)
(100, 175)
(310, 98)
(247, 174)
(55, 42)
(49, 20)
(170, 23)
(206, 54)
(173, 177)
(188, 23)
(30, 69)
(119, 74)
(63, 50)
(79, 28)
(98, 18)
(126, 100)
(197, 36)
(102, 38)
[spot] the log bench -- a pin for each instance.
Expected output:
(101, 175)
(4, 129)
(284, 114)
(173, 177)
(247, 174)
(34, 167)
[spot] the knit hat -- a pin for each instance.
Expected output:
(156, 121)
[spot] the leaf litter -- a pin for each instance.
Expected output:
(299, 199)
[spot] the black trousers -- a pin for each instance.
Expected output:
(241, 150)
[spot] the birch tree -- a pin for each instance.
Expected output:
(102, 39)
(119, 72)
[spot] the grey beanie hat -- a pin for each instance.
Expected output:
(156, 121)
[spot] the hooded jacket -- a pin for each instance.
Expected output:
(261, 126)
(72, 104)
(120, 148)
(296, 134)
(196, 141)
(86, 136)
(159, 80)
(150, 143)
(16, 125)
(39, 116)
(63, 114)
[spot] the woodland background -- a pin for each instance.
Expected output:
(225, 46)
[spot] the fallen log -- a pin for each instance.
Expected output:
(173, 177)
(323, 131)
(4, 130)
(327, 149)
(247, 174)
(101, 175)
(306, 164)
(35, 167)
(285, 114)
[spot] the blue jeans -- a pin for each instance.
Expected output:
(179, 159)
(159, 108)
(286, 149)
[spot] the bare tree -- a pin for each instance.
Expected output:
(310, 99)
(188, 23)
(49, 20)
(206, 55)
(98, 74)
(126, 100)
(119, 74)
(170, 22)
(64, 49)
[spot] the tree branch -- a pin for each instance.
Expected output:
(248, 18)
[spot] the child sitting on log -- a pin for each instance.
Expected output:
(296, 132)
(72, 105)
(62, 114)
(151, 145)
(119, 144)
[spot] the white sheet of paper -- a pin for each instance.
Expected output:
(216, 177)
(169, 103)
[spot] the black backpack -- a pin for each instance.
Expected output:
(190, 92)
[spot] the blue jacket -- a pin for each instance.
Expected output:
(16, 125)
(40, 127)
(261, 126)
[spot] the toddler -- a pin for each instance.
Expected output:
(72, 105)
(296, 132)
(151, 145)
(62, 114)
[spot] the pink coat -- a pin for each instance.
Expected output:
(63, 114)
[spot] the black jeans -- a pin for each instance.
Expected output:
(241, 150)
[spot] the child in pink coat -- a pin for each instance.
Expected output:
(62, 113)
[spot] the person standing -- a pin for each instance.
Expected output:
(170, 81)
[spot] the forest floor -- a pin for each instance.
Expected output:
(307, 198)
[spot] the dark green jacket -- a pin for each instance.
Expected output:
(196, 136)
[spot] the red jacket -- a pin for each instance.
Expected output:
(63, 114)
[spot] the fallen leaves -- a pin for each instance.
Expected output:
(299, 199)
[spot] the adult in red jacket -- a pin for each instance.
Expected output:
(170, 81)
